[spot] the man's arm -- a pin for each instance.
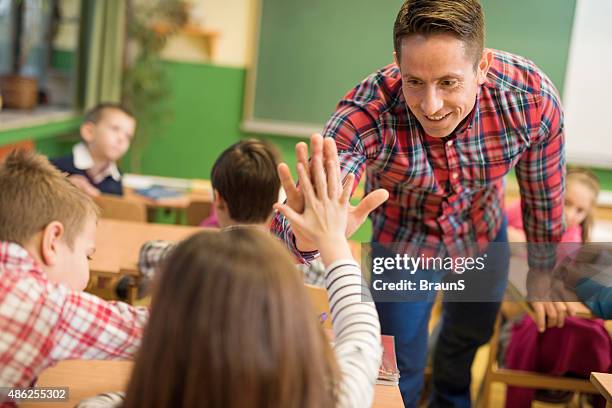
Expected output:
(540, 173)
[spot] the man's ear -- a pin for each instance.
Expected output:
(483, 66)
(395, 58)
(87, 131)
(49, 243)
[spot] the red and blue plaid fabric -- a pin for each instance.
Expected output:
(447, 194)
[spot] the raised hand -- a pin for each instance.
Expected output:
(325, 150)
(323, 220)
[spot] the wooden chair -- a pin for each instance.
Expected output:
(121, 209)
(518, 378)
(197, 211)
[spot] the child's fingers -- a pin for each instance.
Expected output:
(347, 188)
(318, 177)
(306, 185)
(330, 153)
(332, 179)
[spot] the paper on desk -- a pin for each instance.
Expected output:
(138, 181)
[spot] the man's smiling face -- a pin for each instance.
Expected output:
(440, 80)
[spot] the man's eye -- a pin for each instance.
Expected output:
(413, 82)
(449, 84)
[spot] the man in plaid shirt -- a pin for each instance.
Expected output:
(47, 232)
(439, 129)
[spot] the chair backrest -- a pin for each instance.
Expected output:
(318, 297)
(197, 211)
(119, 208)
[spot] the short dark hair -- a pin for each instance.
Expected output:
(245, 177)
(94, 114)
(461, 18)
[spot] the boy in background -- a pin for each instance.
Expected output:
(47, 232)
(246, 186)
(107, 131)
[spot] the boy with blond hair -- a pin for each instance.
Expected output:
(47, 233)
(106, 132)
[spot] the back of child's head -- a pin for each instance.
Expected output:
(35, 193)
(589, 180)
(231, 326)
(245, 177)
(95, 114)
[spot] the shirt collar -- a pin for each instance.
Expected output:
(16, 256)
(84, 161)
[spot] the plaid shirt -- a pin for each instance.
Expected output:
(153, 253)
(42, 323)
(446, 195)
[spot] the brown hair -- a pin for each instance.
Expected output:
(245, 176)
(461, 18)
(95, 114)
(589, 180)
(231, 326)
(34, 193)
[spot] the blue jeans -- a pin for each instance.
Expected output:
(465, 327)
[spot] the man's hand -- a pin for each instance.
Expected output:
(84, 184)
(549, 300)
(326, 151)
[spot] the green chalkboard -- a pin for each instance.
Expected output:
(310, 53)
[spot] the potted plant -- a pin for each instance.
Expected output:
(20, 90)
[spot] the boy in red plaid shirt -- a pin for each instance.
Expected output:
(47, 232)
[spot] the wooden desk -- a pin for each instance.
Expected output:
(88, 378)
(603, 383)
(118, 243)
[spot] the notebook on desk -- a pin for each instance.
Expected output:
(156, 192)
(388, 373)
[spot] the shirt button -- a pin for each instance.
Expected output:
(449, 143)
(455, 175)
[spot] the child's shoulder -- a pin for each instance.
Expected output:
(65, 163)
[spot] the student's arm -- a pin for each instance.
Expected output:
(356, 326)
(151, 256)
(356, 331)
(94, 329)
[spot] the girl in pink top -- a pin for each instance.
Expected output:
(581, 190)
(555, 351)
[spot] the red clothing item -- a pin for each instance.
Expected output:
(42, 323)
(516, 122)
(579, 347)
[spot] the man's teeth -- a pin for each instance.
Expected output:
(436, 117)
